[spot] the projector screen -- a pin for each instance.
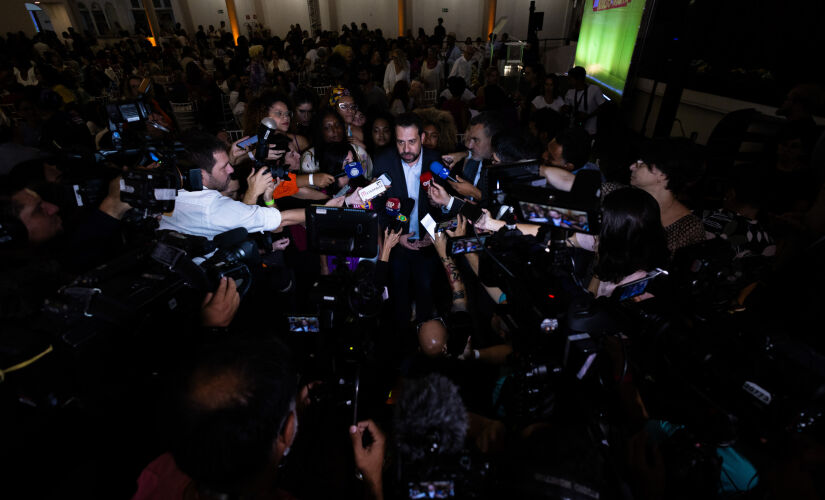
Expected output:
(606, 42)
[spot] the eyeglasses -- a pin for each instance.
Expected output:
(347, 107)
(282, 114)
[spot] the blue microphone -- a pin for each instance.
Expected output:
(352, 169)
(440, 170)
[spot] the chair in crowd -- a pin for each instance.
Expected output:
(323, 91)
(429, 98)
(186, 115)
(234, 135)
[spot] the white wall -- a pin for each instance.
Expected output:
(205, 12)
(279, 15)
(464, 17)
(15, 18)
(376, 13)
(556, 14)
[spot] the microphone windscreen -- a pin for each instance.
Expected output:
(393, 204)
(426, 179)
(440, 170)
(269, 123)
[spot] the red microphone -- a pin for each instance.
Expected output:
(426, 180)
(393, 204)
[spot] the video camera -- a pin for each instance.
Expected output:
(268, 135)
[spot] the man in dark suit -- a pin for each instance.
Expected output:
(414, 262)
(472, 180)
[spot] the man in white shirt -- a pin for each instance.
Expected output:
(463, 67)
(582, 102)
(208, 213)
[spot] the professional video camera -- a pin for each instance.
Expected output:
(151, 152)
(150, 280)
(269, 138)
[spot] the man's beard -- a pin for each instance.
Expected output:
(413, 160)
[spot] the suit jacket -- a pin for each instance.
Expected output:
(388, 162)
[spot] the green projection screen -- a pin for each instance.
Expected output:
(606, 41)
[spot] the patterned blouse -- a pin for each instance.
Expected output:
(686, 231)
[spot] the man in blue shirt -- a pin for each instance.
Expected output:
(414, 262)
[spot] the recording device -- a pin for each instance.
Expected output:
(426, 180)
(268, 135)
(304, 323)
(469, 244)
(503, 176)
(371, 191)
(385, 179)
(342, 231)
(636, 287)
(248, 142)
(352, 169)
(398, 219)
(153, 184)
(557, 209)
(440, 170)
(231, 254)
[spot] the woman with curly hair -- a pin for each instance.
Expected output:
(275, 105)
(439, 129)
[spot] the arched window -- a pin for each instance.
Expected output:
(103, 27)
(88, 25)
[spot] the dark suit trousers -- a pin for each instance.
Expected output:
(411, 279)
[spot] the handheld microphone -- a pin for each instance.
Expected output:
(352, 169)
(440, 170)
(266, 130)
(393, 207)
(426, 180)
(402, 218)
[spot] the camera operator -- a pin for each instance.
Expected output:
(208, 213)
(235, 416)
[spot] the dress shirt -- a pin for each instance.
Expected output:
(412, 175)
(208, 213)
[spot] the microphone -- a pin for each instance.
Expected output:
(393, 207)
(440, 170)
(401, 219)
(426, 180)
(266, 129)
(352, 169)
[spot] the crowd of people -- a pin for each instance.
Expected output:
(442, 352)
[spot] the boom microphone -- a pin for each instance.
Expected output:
(440, 170)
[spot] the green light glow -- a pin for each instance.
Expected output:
(606, 43)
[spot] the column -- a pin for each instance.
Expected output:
(401, 10)
(152, 18)
(491, 16)
(233, 20)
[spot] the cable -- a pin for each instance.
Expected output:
(23, 364)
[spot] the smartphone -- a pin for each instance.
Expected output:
(431, 489)
(448, 225)
(304, 323)
(636, 287)
(248, 142)
(384, 179)
(429, 224)
(372, 190)
(470, 244)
